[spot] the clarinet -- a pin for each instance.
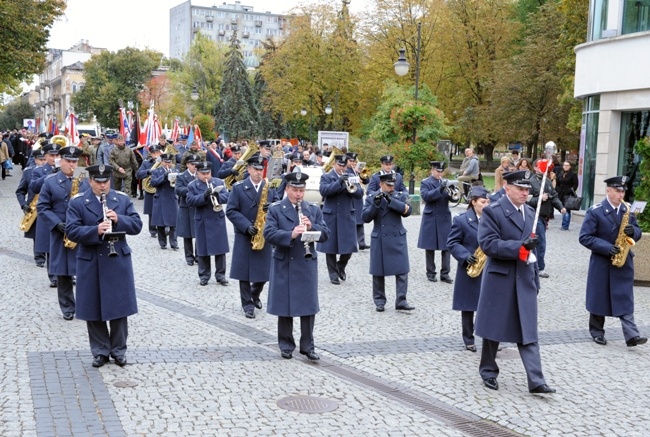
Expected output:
(308, 253)
(111, 242)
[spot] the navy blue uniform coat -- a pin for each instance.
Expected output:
(339, 214)
(388, 249)
(462, 242)
(141, 174)
(373, 185)
(42, 241)
(165, 206)
(357, 202)
(609, 289)
(25, 197)
(105, 285)
(243, 203)
(436, 217)
(185, 218)
(210, 225)
(293, 284)
(507, 306)
(52, 206)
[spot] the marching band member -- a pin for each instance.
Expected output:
(185, 218)
(227, 167)
(25, 197)
(208, 195)
(358, 203)
(386, 168)
(106, 289)
(164, 211)
(142, 173)
(293, 284)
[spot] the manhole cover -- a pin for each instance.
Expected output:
(307, 404)
(126, 383)
(508, 354)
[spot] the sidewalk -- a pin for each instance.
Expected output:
(198, 367)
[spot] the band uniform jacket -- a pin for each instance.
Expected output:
(226, 168)
(185, 217)
(373, 185)
(209, 225)
(212, 156)
(243, 203)
(105, 285)
(42, 240)
(462, 242)
(436, 217)
(357, 201)
(142, 173)
(52, 206)
(164, 211)
(388, 248)
(339, 214)
(497, 195)
(293, 283)
(25, 197)
(609, 289)
(507, 305)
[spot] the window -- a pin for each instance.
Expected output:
(636, 16)
(74, 88)
(258, 30)
(599, 19)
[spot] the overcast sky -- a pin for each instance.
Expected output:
(142, 24)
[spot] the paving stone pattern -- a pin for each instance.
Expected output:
(197, 366)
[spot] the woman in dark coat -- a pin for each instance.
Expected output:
(565, 184)
(462, 244)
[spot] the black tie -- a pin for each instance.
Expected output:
(521, 211)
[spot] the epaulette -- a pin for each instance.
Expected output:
(122, 193)
(50, 175)
(237, 183)
(492, 205)
(77, 195)
(275, 203)
(596, 206)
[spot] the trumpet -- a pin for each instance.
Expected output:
(216, 206)
(171, 177)
(308, 253)
(351, 183)
(111, 241)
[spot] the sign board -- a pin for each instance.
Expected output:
(444, 147)
(333, 139)
(29, 124)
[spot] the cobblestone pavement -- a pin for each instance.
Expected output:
(197, 366)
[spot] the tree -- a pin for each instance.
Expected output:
(14, 113)
(24, 33)
(111, 76)
(236, 111)
(160, 90)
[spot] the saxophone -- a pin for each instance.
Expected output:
(67, 243)
(623, 241)
(30, 217)
(258, 239)
(474, 270)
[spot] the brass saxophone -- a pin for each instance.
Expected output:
(260, 220)
(239, 165)
(67, 243)
(474, 270)
(623, 241)
(28, 219)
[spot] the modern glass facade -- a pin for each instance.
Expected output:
(634, 126)
(636, 16)
(598, 16)
(588, 153)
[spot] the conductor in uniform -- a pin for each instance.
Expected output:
(52, 206)
(293, 284)
(208, 196)
(609, 288)
(507, 305)
(338, 212)
(106, 289)
(185, 218)
(252, 268)
(388, 250)
(436, 223)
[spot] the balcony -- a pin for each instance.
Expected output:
(246, 35)
(222, 32)
(209, 18)
(233, 21)
(258, 23)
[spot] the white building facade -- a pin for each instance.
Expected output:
(612, 77)
(218, 24)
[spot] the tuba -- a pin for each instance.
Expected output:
(474, 270)
(258, 239)
(623, 241)
(330, 161)
(241, 162)
(146, 182)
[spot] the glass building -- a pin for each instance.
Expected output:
(612, 78)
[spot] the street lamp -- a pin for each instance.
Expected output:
(195, 94)
(303, 111)
(401, 69)
(328, 109)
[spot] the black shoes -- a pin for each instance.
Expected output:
(432, 279)
(600, 339)
(543, 389)
(204, 282)
(53, 284)
(222, 281)
(163, 247)
(68, 316)
(190, 263)
(250, 314)
(446, 279)
(491, 383)
(120, 361)
(405, 307)
(174, 247)
(364, 247)
(257, 303)
(636, 341)
(311, 356)
(40, 264)
(153, 234)
(470, 347)
(286, 355)
(342, 275)
(335, 281)
(100, 360)
(380, 308)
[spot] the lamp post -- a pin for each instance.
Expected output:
(401, 69)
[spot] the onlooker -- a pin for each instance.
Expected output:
(469, 169)
(506, 165)
(567, 183)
